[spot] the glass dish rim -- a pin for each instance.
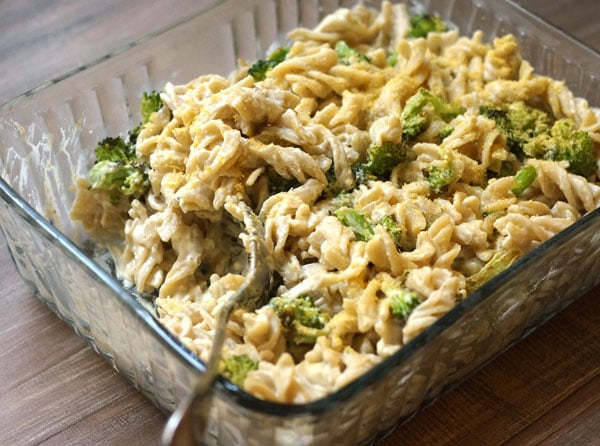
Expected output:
(159, 332)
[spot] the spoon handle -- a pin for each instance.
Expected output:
(186, 425)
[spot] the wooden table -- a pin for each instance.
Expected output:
(56, 391)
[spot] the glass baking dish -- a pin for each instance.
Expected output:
(46, 138)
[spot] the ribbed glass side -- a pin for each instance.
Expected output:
(45, 141)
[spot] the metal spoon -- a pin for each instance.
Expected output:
(187, 423)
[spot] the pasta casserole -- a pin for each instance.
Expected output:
(395, 164)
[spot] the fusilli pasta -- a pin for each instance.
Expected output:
(308, 124)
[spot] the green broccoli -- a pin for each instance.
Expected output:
(333, 188)
(357, 221)
(441, 173)
(392, 58)
(380, 161)
(518, 122)
(118, 177)
(446, 131)
(277, 183)
(563, 142)
(117, 169)
(114, 149)
(361, 173)
(303, 322)
(530, 132)
(236, 368)
(423, 107)
(344, 199)
(498, 263)
(402, 301)
(393, 229)
(150, 103)
(523, 179)
(440, 178)
(259, 69)
(423, 24)
(348, 55)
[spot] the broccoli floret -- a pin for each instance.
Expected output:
(119, 177)
(423, 24)
(446, 131)
(392, 228)
(357, 221)
(259, 69)
(380, 161)
(361, 173)
(392, 58)
(421, 108)
(333, 188)
(440, 177)
(498, 263)
(348, 55)
(562, 143)
(402, 301)
(277, 183)
(303, 322)
(523, 179)
(441, 173)
(518, 122)
(529, 132)
(114, 149)
(236, 368)
(344, 199)
(149, 104)
(117, 169)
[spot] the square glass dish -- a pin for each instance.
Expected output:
(46, 138)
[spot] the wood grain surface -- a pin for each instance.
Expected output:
(54, 390)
